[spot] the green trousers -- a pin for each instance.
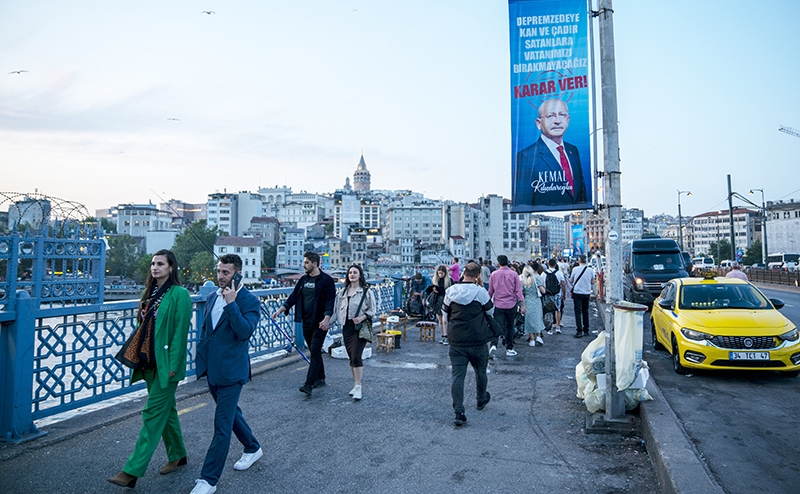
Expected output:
(159, 420)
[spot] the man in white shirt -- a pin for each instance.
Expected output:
(581, 278)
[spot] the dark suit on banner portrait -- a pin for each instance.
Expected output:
(539, 180)
(223, 356)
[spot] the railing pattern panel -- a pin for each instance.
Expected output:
(62, 264)
(74, 362)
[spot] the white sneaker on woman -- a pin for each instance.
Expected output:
(357, 392)
(531, 342)
(539, 340)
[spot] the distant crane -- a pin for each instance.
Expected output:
(789, 130)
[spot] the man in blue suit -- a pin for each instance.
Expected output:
(231, 316)
(548, 174)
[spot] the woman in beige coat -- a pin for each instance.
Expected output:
(347, 313)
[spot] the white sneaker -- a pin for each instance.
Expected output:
(203, 487)
(492, 349)
(549, 331)
(247, 460)
(539, 340)
(531, 343)
(510, 353)
(357, 393)
(558, 329)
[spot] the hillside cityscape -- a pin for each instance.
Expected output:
(394, 232)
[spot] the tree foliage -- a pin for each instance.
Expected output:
(201, 268)
(122, 256)
(188, 244)
(753, 254)
(269, 255)
(723, 253)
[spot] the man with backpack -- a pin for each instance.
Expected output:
(555, 285)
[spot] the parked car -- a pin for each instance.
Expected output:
(723, 323)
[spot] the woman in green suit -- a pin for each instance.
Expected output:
(156, 352)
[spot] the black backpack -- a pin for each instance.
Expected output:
(551, 284)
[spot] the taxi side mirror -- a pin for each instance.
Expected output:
(666, 304)
(778, 303)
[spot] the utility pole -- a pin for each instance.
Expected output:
(730, 209)
(615, 400)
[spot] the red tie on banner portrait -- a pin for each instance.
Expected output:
(566, 168)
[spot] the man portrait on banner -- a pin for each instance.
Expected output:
(549, 172)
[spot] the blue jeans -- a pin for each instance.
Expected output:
(478, 358)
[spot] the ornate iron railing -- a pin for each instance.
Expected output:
(74, 347)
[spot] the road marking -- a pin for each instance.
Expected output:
(191, 409)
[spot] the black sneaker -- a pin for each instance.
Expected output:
(460, 419)
(578, 335)
(319, 383)
(305, 388)
(482, 404)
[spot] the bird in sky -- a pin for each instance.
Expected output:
(209, 12)
(17, 71)
(175, 119)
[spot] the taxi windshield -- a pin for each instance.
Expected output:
(722, 296)
(657, 261)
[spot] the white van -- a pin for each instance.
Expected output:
(725, 264)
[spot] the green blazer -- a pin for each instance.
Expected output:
(171, 335)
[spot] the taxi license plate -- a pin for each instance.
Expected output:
(749, 355)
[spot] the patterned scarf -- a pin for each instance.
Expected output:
(139, 351)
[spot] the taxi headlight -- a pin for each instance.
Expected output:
(792, 335)
(695, 335)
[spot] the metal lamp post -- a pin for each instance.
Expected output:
(680, 219)
(763, 227)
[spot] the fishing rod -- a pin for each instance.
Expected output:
(286, 335)
(237, 276)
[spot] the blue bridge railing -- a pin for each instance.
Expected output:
(55, 359)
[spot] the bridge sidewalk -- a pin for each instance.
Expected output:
(399, 438)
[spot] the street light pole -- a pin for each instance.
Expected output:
(680, 221)
(763, 227)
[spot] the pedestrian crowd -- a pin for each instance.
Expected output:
(478, 307)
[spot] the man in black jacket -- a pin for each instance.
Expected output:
(313, 298)
(467, 305)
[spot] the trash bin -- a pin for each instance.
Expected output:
(628, 334)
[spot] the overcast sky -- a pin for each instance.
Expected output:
(291, 93)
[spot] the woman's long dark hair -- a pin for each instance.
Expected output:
(173, 275)
(362, 280)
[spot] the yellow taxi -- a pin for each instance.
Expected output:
(723, 323)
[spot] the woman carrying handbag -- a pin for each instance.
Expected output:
(354, 304)
(156, 351)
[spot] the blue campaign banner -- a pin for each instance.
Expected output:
(577, 240)
(550, 141)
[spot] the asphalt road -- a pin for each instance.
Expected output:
(743, 423)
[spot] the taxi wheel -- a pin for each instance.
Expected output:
(656, 344)
(676, 358)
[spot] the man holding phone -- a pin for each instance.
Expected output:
(230, 319)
